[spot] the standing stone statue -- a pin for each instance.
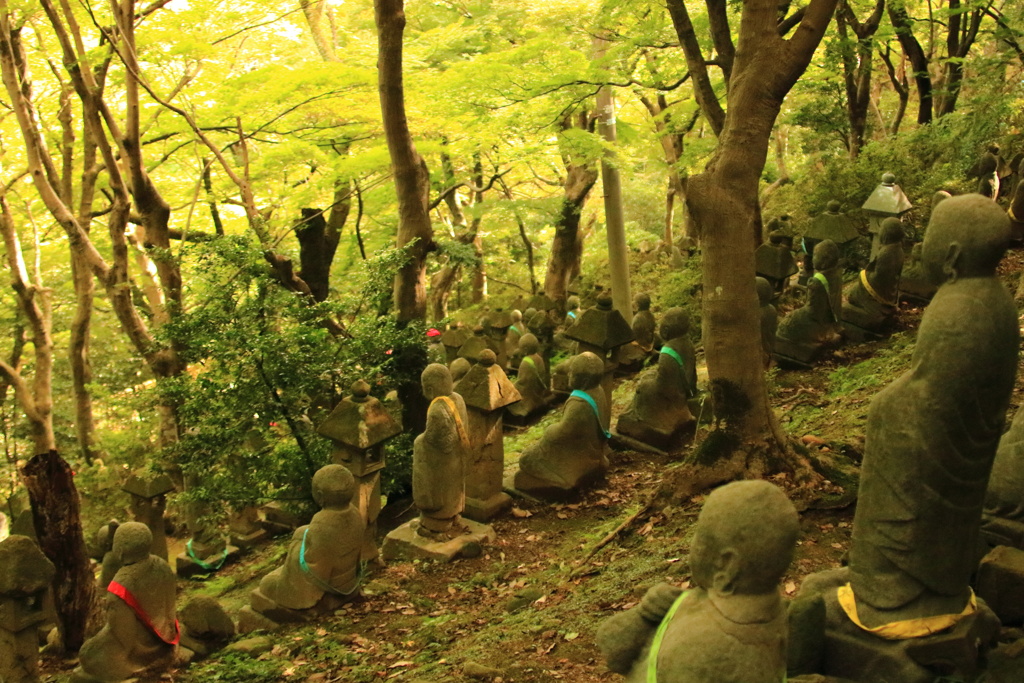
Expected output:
(572, 453)
(731, 627)
(359, 426)
(25, 576)
(645, 327)
(439, 459)
(532, 381)
(572, 312)
(499, 324)
(141, 630)
(458, 368)
(804, 331)
(659, 413)
(873, 299)
(774, 260)
(1004, 500)
(930, 443)
(148, 493)
(322, 569)
(769, 318)
(487, 391)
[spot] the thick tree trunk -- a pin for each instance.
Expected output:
(918, 59)
(412, 181)
(567, 245)
(318, 241)
(58, 525)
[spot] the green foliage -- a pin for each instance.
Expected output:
(237, 667)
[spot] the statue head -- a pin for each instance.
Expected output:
(993, 148)
(938, 197)
(764, 291)
(826, 255)
(458, 368)
(833, 206)
(516, 315)
(888, 179)
(573, 302)
(891, 231)
(675, 323)
(744, 541)
(333, 486)
(528, 344)
(436, 381)
(131, 542)
(585, 371)
(966, 237)
(642, 302)
(487, 358)
(529, 313)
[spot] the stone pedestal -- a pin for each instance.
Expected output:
(406, 543)
(25, 576)
(487, 391)
(148, 493)
(208, 558)
(1000, 583)
(246, 528)
(852, 653)
(359, 426)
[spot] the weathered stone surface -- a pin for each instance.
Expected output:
(774, 260)
(769, 318)
(644, 325)
(452, 339)
(731, 627)
(872, 300)
(127, 643)
(321, 570)
(1003, 519)
(407, 542)
(205, 626)
(832, 224)
(806, 330)
(487, 391)
(659, 413)
(148, 491)
(572, 453)
(25, 575)
(532, 381)
(359, 426)
(602, 327)
(887, 199)
(1000, 583)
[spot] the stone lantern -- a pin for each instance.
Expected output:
(486, 390)
(601, 330)
(832, 224)
(25, 576)
(358, 428)
(452, 339)
(148, 491)
(500, 322)
(886, 201)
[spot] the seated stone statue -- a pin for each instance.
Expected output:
(872, 301)
(532, 381)
(659, 413)
(572, 453)
(439, 458)
(804, 331)
(769, 318)
(644, 326)
(731, 627)
(1003, 521)
(322, 568)
(141, 629)
(572, 310)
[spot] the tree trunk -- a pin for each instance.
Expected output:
(412, 181)
(918, 60)
(318, 241)
(58, 525)
(857, 64)
(567, 245)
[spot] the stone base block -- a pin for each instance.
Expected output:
(186, 567)
(405, 543)
(858, 334)
(552, 491)
(486, 510)
(788, 352)
(1001, 583)
(850, 652)
(652, 436)
(249, 540)
(250, 620)
(277, 520)
(916, 291)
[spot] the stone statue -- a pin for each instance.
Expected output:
(659, 412)
(25, 576)
(458, 368)
(572, 453)
(322, 568)
(930, 442)
(803, 332)
(731, 627)
(532, 381)
(148, 499)
(872, 301)
(439, 462)
(141, 629)
(769, 318)
(1004, 500)
(774, 260)
(644, 325)
(572, 312)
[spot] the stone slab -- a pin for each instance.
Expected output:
(485, 510)
(185, 567)
(405, 543)
(1001, 583)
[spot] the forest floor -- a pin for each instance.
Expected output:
(528, 607)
